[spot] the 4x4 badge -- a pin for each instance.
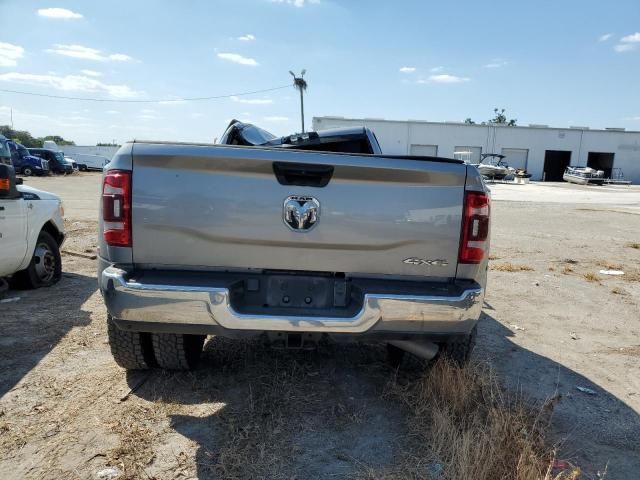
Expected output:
(426, 261)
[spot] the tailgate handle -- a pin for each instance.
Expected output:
(302, 174)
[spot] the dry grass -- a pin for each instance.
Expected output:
(493, 257)
(465, 423)
(566, 270)
(511, 267)
(591, 277)
(610, 265)
(135, 451)
(632, 276)
(618, 291)
(635, 245)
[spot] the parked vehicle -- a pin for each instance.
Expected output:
(26, 163)
(57, 164)
(31, 232)
(5, 153)
(296, 246)
(583, 176)
(53, 146)
(71, 161)
(88, 161)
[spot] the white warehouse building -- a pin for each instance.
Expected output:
(541, 150)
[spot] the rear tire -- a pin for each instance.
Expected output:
(45, 267)
(130, 350)
(27, 172)
(177, 351)
(458, 349)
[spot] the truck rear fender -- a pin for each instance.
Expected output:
(469, 271)
(122, 160)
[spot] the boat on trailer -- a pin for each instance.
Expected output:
(617, 178)
(493, 166)
(583, 176)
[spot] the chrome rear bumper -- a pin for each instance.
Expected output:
(178, 306)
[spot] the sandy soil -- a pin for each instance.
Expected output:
(551, 323)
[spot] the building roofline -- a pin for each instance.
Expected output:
(480, 125)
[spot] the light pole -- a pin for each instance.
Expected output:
(301, 84)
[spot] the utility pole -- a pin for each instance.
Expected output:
(301, 84)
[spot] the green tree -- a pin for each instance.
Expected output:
(59, 140)
(21, 136)
(468, 121)
(25, 138)
(501, 119)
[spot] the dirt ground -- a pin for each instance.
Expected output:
(551, 323)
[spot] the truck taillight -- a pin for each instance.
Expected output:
(475, 227)
(116, 208)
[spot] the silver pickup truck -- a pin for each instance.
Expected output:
(291, 239)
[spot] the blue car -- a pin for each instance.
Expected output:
(25, 163)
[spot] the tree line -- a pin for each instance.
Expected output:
(25, 138)
(499, 118)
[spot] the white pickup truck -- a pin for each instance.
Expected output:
(31, 230)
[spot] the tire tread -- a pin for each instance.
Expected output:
(130, 350)
(176, 351)
(458, 350)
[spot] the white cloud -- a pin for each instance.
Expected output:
(635, 119)
(445, 78)
(624, 47)
(407, 69)
(112, 112)
(252, 101)
(9, 54)
(633, 38)
(496, 63)
(275, 119)
(605, 37)
(437, 69)
(120, 57)
(628, 43)
(70, 83)
(297, 3)
(237, 58)
(87, 53)
(59, 13)
(247, 38)
(91, 73)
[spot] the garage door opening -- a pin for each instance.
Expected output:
(424, 150)
(555, 162)
(601, 161)
(516, 157)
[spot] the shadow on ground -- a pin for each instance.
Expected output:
(32, 326)
(607, 436)
(324, 414)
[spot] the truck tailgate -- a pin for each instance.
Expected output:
(221, 207)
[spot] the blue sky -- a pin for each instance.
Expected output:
(554, 62)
